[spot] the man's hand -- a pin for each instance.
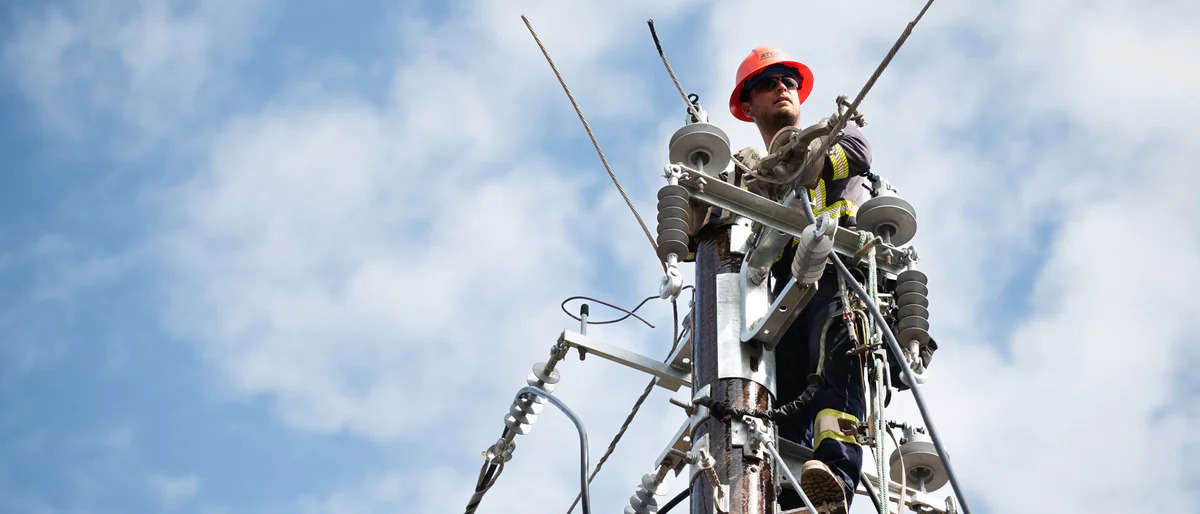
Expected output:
(789, 149)
(750, 157)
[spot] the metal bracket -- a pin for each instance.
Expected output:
(739, 236)
(735, 359)
(742, 435)
(668, 376)
(674, 457)
(700, 413)
(767, 324)
(891, 260)
(704, 465)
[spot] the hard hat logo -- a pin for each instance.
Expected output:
(758, 60)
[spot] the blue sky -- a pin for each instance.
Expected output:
(297, 257)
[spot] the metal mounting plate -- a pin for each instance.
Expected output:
(736, 359)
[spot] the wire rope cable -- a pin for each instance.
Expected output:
(592, 136)
(850, 111)
(663, 55)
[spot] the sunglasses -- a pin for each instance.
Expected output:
(768, 83)
(764, 84)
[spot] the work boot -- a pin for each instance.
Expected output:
(823, 488)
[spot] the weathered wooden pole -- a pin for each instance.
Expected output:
(717, 354)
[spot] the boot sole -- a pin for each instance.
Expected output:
(824, 491)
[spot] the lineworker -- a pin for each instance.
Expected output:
(768, 92)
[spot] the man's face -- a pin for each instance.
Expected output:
(773, 103)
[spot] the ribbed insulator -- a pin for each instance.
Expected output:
(912, 308)
(673, 218)
(524, 410)
(816, 242)
(646, 498)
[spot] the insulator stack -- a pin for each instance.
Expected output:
(673, 217)
(816, 242)
(524, 410)
(912, 304)
(647, 497)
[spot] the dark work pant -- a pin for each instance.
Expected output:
(818, 337)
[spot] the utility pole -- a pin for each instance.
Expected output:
(738, 476)
(749, 477)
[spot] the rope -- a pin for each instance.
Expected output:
(593, 138)
(880, 442)
(634, 410)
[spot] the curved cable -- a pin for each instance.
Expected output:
(583, 445)
(675, 501)
(611, 306)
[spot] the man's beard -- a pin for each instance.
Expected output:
(776, 120)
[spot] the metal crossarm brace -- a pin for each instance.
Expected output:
(668, 377)
(715, 192)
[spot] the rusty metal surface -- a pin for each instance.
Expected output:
(750, 480)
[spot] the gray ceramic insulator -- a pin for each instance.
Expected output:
(811, 254)
(646, 499)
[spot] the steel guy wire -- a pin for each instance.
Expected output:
(593, 138)
(686, 101)
(658, 45)
(853, 108)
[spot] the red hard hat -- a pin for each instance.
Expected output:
(758, 59)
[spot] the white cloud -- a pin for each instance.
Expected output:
(389, 270)
(148, 65)
(1027, 137)
(173, 490)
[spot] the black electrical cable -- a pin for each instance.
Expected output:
(674, 501)
(894, 347)
(628, 313)
(583, 444)
(871, 492)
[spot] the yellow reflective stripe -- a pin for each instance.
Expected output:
(828, 426)
(841, 167)
(819, 196)
(836, 210)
